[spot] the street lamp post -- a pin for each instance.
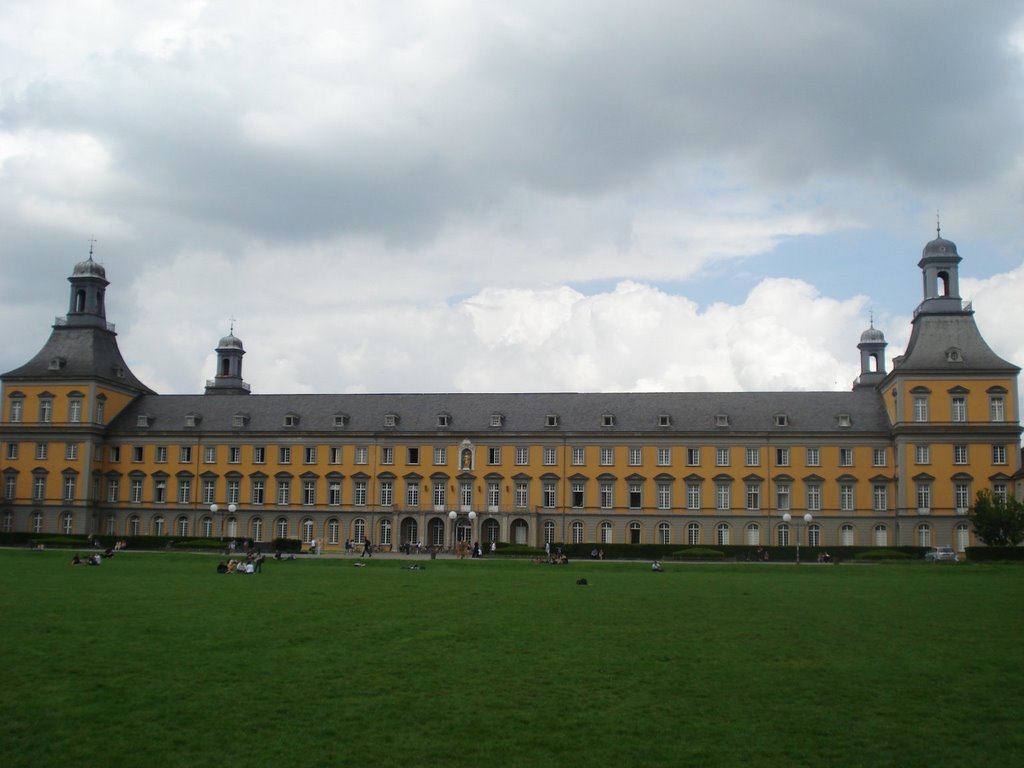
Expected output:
(452, 516)
(214, 509)
(808, 517)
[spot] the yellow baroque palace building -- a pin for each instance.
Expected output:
(88, 448)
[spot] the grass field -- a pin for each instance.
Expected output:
(155, 660)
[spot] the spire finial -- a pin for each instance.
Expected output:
(231, 332)
(938, 225)
(92, 242)
(871, 316)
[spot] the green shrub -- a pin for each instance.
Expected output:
(697, 552)
(884, 554)
(995, 553)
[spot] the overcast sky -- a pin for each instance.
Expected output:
(516, 196)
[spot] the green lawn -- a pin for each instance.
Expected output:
(156, 660)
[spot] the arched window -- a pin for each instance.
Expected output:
(307, 530)
(782, 533)
(664, 533)
(549, 532)
(693, 534)
(111, 525)
(520, 531)
(577, 532)
(924, 535)
(753, 531)
(333, 531)
(8, 525)
(435, 530)
(182, 526)
(232, 528)
(282, 527)
(606, 532)
(491, 530)
(635, 533)
(257, 529)
(881, 536)
(963, 537)
(67, 523)
(814, 535)
(37, 522)
(359, 530)
(133, 525)
(846, 537)
(384, 537)
(158, 525)
(722, 534)
(410, 531)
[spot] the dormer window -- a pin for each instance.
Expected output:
(340, 419)
(551, 420)
(390, 419)
(291, 420)
(954, 355)
(58, 363)
(722, 420)
(444, 420)
(118, 371)
(497, 419)
(192, 419)
(608, 420)
(781, 420)
(844, 420)
(143, 421)
(239, 420)
(664, 420)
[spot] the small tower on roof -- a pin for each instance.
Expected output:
(88, 284)
(872, 357)
(228, 379)
(940, 265)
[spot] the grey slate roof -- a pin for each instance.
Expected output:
(934, 335)
(86, 351)
(690, 412)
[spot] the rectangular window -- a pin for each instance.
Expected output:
(412, 494)
(258, 492)
(387, 455)
(234, 454)
(636, 495)
(753, 496)
(881, 498)
(607, 456)
(69, 488)
(466, 494)
(959, 409)
(71, 451)
(920, 408)
(576, 491)
(46, 411)
(962, 492)
(184, 490)
(440, 495)
(16, 410)
(335, 455)
(161, 454)
(440, 457)
(723, 496)
(10, 487)
(664, 496)
(74, 411)
(334, 493)
(160, 491)
(924, 497)
(210, 454)
(846, 457)
(284, 492)
(635, 457)
(135, 491)
(522, 494)
(209, 490)
(185, 454)
(664, 457)
(359, 493)
(42, 451)
(284, 454)
(693, 457)
(960, 454)
(548, 495)
(846, 497)
(922, 454)
(113, 489)
(309, 454)
(494, 455)
(39, 488)
(577, 456)
(998, 454)
(753, 457)
(522, 455)
(362, 454)
(493, 494)
(387, 493)
(813, 497)
(782, 497)
(607, 495)
(996, 408)
(309, 492)
(693, 495)
(721, 457)
(550, 457)
(114, 454)
(813, 457)
(1000, 491)
(12, 451)
(782, 457)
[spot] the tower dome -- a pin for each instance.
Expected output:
(89, 268)
(872, 336)
(940, 246)
(230, 342)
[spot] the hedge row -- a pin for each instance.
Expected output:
(76, 541)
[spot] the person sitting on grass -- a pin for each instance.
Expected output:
(656, 567)
(76, 560)
(222, 567)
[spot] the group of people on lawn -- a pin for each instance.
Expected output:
(253, 563)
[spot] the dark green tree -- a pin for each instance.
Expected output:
(997, 521)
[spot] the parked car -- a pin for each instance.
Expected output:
(937, 554)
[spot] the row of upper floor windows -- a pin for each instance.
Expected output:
(817, 495)
(46, 413)
(922, 406)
